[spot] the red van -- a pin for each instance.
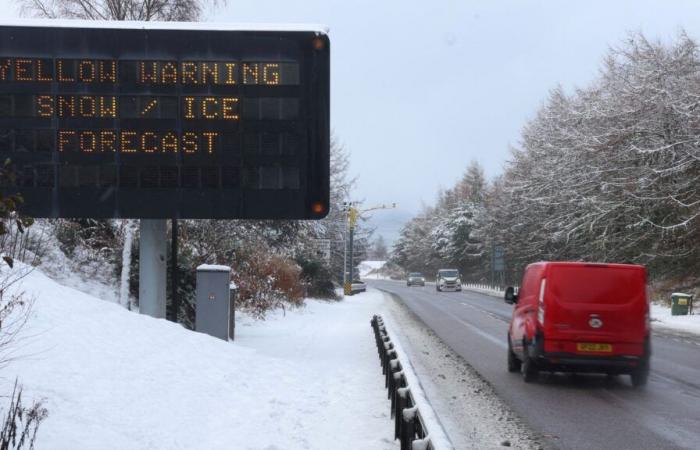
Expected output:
(580, 317)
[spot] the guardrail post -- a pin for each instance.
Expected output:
(401, 397)
(399, 382)
(408, 429)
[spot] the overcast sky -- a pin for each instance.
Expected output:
(420, 88)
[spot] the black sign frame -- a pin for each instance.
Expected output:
(273, 166)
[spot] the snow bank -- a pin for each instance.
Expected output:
(367, 267)
(213, 268)
(113, 379)
(661, 317)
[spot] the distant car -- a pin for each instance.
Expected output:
(580, 317)
(415, 279)
(448, 280)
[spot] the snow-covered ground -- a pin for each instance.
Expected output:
(367, 268)
(113, 379)
(661, 317)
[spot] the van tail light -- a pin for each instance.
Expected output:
(540, 305)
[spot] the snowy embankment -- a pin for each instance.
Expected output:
(661, 317)
(113, 379)
(371, 269)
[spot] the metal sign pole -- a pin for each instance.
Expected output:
(152, 267)
(350, 271)
(345, 253)
(493, 263)
(174, 298)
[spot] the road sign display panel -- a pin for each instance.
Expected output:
(163, 123)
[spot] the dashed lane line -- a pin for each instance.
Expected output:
(483, 334)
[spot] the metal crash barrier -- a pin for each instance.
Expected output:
(409, 426)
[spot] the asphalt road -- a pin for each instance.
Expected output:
(571, 411)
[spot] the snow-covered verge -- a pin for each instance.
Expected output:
(661, 317)
(90, 274)
(113, 379)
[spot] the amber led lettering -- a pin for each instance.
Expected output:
(88, 141)
(189, 109)
(212, 71)
(87, 106)
(168, 74)
(63, 138)
(107, 141)
(169, 142)
(86, 71)
(61, 75)
(23, 70)
(44, 105)
(210, 136)
(40, 75)
(206, 112)
(5, 69)
(66, 106)
(147, 139)
(108, 71)
(271, 74)
(108, 106)
(148, 72)
(189, 73)
(230, 73)
(228, 104)
(250, 74)
(126, 142)
(189, 142)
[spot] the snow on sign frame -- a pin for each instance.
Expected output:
(156, 120)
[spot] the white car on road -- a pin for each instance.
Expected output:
(448, 280)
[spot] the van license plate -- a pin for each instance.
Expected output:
(590, 347)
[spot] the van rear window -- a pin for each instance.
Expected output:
(609, 285)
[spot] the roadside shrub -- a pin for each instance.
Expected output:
(266, 282)
(317, 278)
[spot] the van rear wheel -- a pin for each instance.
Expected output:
(640, 375)
(529, 366)
(513, 361)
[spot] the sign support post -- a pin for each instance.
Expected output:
(152, 267)
(174, 298)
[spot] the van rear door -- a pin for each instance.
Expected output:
(591, 304)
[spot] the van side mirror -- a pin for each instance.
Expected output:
(510, 296)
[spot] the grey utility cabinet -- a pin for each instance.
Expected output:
(214, 314)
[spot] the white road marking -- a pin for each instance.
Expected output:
(483, 334)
